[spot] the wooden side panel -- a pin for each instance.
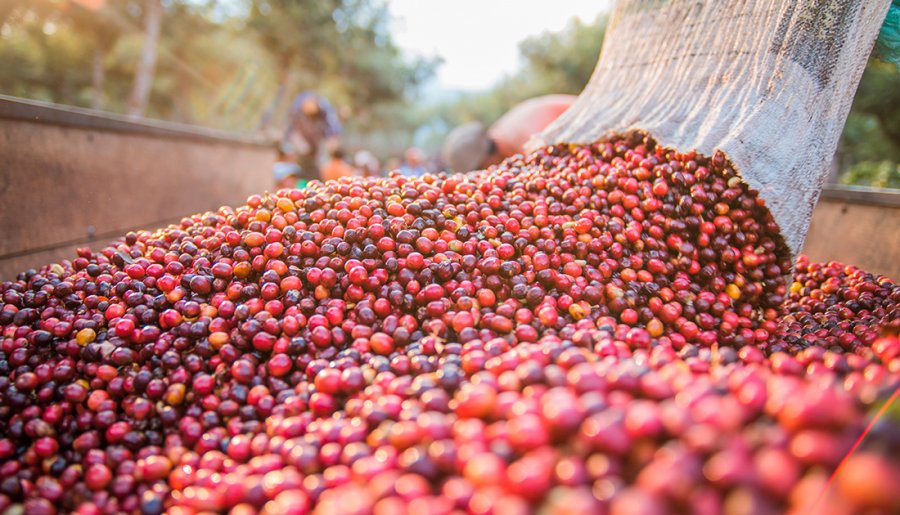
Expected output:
(867, 236)
(62, 185)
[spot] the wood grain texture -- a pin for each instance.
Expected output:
(62, 186)
(854, 233)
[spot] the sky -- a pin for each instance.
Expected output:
(478, 39)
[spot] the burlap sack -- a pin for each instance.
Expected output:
(769, 82)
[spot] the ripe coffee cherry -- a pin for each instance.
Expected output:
(601, 328)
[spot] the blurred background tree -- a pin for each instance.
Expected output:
(298, 35)
(552, 62)
(103, 27)
(869, 153)
(231, 65)
(236, 64)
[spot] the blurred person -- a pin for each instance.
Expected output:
(413, 163)
(287, 175)
(471, 147)
(285, 171)
(336, 167)
(367, 163)
(312, 123)
(393, 164)
(435, 163)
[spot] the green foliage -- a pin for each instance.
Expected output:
(562, 62)
(220, 64)
(877, 174)
(298, 32)
(870, 147)
(37, 48)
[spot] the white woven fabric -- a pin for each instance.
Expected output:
(769, 82)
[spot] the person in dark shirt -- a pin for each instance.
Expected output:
(312, 123)
(286, 173)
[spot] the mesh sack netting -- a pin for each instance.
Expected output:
(769, 82)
